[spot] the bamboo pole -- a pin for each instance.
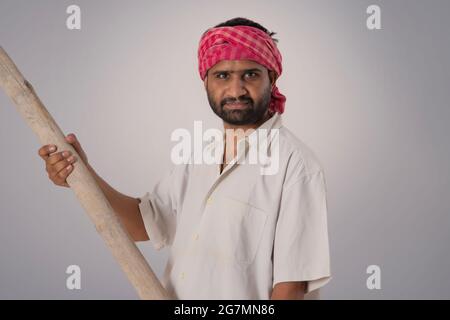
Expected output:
(82, 183)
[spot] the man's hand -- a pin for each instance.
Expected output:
(59, 165)
(294, 290)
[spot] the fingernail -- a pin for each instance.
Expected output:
(52, 148)
(66, 153)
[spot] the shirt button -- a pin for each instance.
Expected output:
(182, 275)
(196, 236)
(209, 200)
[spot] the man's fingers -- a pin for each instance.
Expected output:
(58, 164)
(61, 164)
(56, 157)
(59, 177)
(46, 150)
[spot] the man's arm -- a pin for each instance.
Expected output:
(127, 208)
(294, 290)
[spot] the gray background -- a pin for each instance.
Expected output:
(373, 105)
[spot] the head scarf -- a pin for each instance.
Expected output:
(241, 43)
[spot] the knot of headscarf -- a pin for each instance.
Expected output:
(241, 43)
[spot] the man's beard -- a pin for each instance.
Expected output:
(252, 113)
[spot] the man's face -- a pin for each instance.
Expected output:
(239, 91)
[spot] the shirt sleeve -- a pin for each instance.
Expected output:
(159, 207)
(301, 250)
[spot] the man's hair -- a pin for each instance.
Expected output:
(246, 22)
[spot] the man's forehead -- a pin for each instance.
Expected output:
(237, 65)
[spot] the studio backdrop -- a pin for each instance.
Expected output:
(367, 87)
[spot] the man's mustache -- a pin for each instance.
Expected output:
(234, 100)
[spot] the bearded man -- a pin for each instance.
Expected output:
(233, 231)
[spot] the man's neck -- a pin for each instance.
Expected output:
(233, 136)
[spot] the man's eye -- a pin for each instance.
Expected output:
(251, 74)
(221, 76)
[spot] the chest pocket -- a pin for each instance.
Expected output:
(238, 228)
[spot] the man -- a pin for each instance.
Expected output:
(233, 231)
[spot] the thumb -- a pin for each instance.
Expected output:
(72, 139)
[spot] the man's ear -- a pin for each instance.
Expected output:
(205, 82)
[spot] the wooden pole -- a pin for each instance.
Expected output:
(82, 183)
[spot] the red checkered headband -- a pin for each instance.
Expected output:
(241, 43)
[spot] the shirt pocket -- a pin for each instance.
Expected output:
(241, 225)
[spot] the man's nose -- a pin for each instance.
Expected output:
(236, 88)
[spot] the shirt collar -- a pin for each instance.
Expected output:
(262, 135)
(273, 122)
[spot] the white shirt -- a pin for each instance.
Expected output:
(235, 235)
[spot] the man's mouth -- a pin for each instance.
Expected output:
(236, 105)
